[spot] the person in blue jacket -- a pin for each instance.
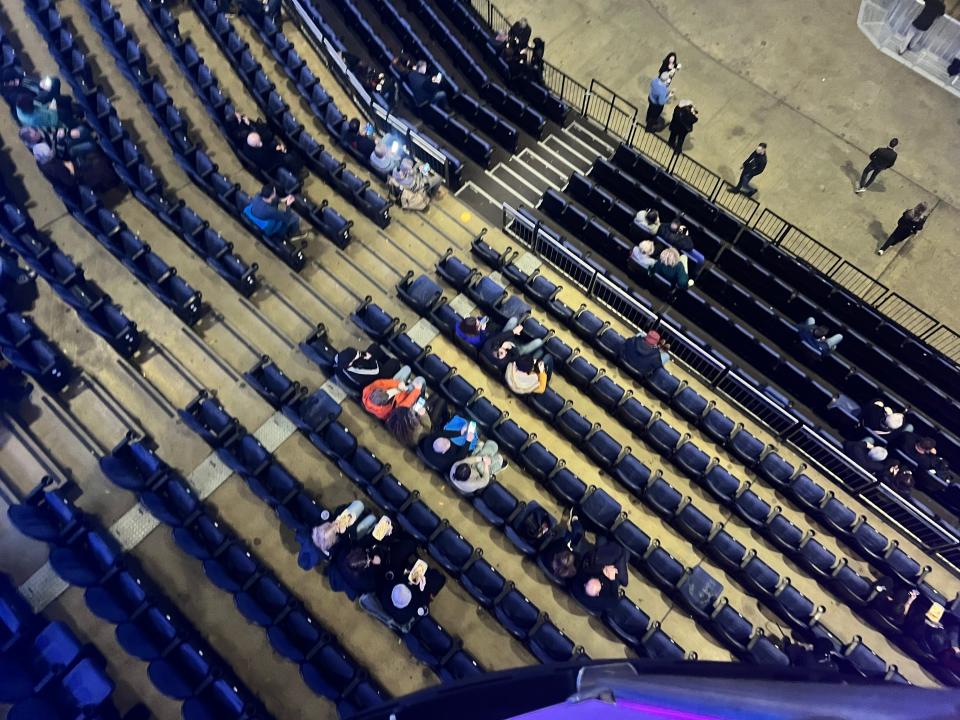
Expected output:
(266, 213)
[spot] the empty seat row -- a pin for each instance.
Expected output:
(229, 563)
(316, 416)
(130, 165)
(271, 103)
(552, 106)
(29, 350)
(457, 133)
(47, 671)
(149, 627)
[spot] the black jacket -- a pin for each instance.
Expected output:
(683, 120)
(883, 157)
(489, 348)
(756, 163)
(932, 9)
(910, 224)
(641, 357)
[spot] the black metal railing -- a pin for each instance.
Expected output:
(927, 531)
(620, 118)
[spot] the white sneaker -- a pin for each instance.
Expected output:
(879, 252)
(859, 189)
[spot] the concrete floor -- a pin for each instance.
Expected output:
(92, 415)
(801, 77)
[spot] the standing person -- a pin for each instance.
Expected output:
(882, 158)
(685, 115)
(909, 224)
(932, 9)
(670, 65)
(660, 94)
(752, 166)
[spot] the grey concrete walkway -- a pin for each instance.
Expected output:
(801, 77)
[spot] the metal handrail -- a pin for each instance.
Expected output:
(927, 532)
(601, 104)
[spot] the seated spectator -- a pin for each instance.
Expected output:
(258, 10)
(597, 583)
(74, 144)
(268, 153)
(533, 523)
(360, 141)
(645, 353)
(642, 255)
(816, 655)
(410, 424)
(265, 213)
(438, 452)
(881, 419)
(473, 330)
(462, 432)
(319, 544)
(33, 113)
(608, 561)
(475, 472)
(380, 397)
(519, 33)
(425, 90)
(383, 159)
(920, 450)
(356, 369)
(399, 602)
(501, 349)
(678, 235)
(529, 374)
(563, 563)
(899, 478)
(415, 184)
(815, 337)
(62, 173)
(893, 599)
(872, 458)
(648, 221)
(670, 267)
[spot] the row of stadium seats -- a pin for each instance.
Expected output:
(782, 329)
(552, 106)
(137, 175)
(174, 126)
(834, 573)
(271, 103)
(295, 506)
(656, 492)
(500, 98)
(228, 563)
(459, 133)
(47, 671)
(452, 165)
(149, 627)
(854, 312)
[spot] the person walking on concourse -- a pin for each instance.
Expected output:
(752, 166)
(882, 158)
(909, 224)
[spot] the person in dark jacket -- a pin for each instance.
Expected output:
(62, 173)
(266, 152)
(643, 353)
(921, 450)
(685, 115)
(519, 33)
(503, 348)
(815, 336)
(264, 212)
(880, 419)
(359, 141)
(358, 368)
(752, 166)
(872, 458)
(425, 89)
(677, 234)
(882, 158)
(909, 224)
(932, 9)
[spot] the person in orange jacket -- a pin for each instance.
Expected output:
(381, 396)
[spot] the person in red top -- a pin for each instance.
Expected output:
(381, 397)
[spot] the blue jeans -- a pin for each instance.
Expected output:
(831, 341)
